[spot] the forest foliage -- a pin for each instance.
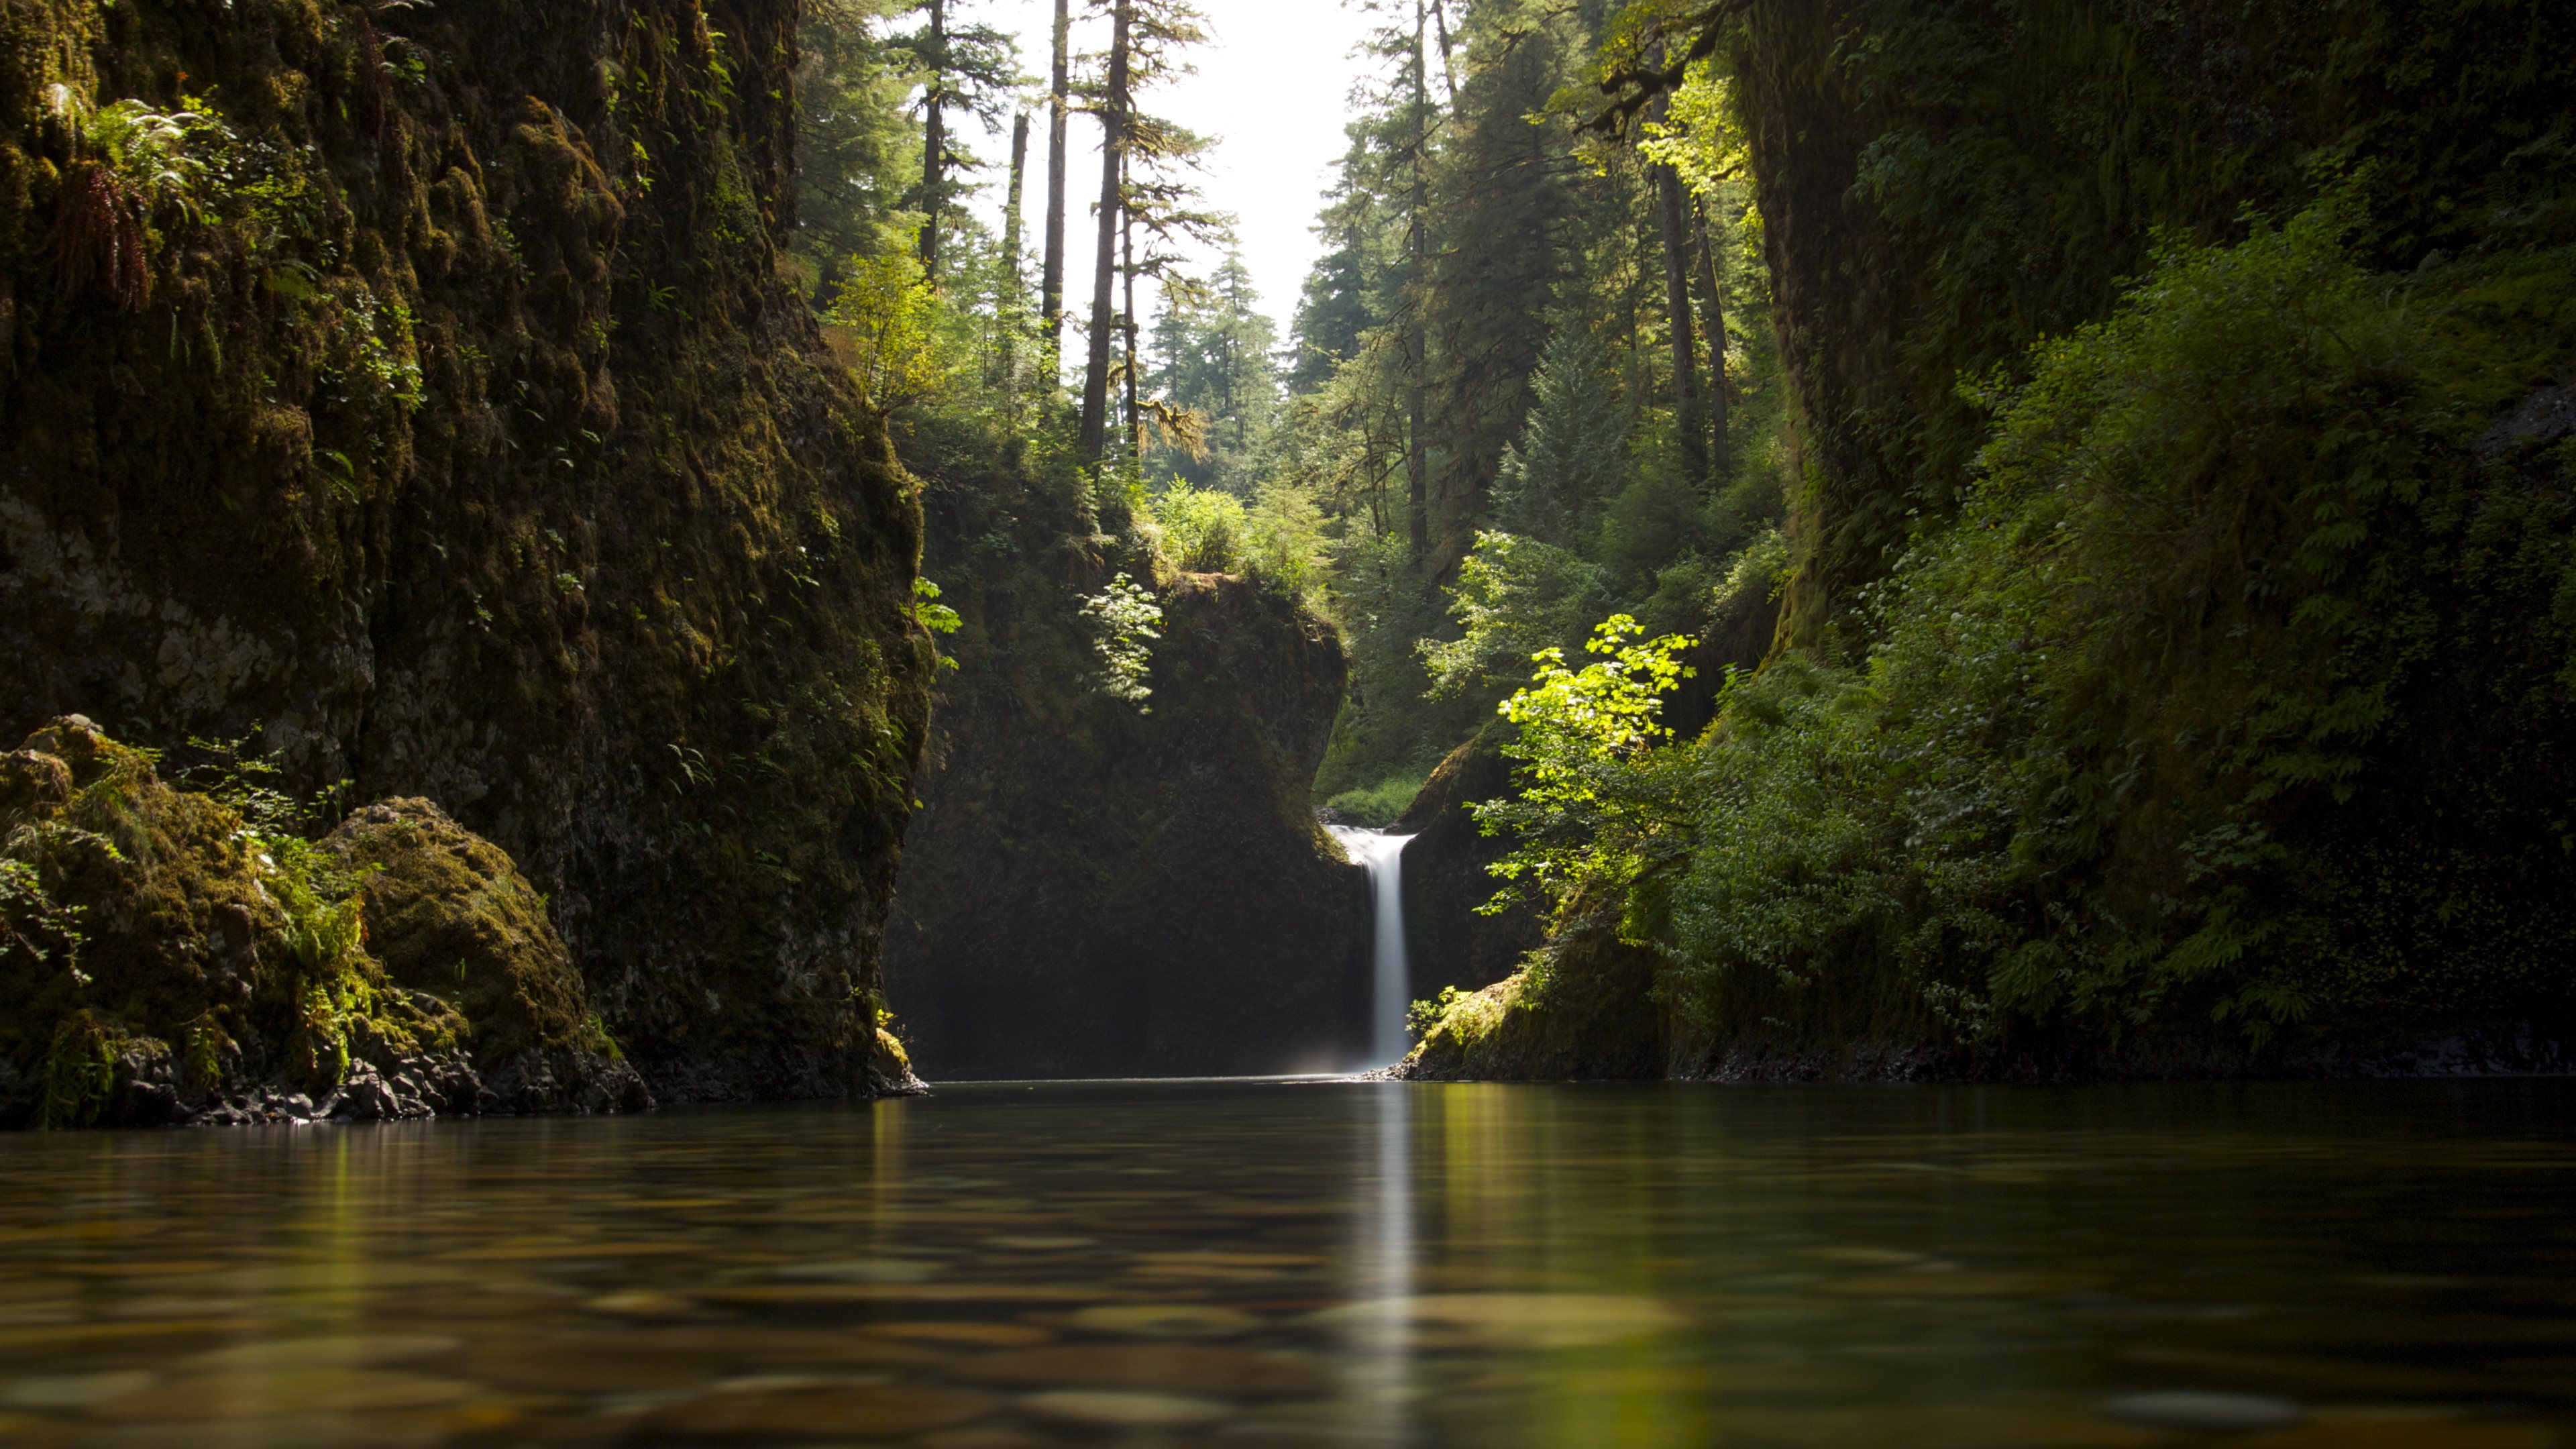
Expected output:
(2150, 601)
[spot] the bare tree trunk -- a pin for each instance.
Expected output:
(1448, 72)
(1104, 270)
(1051, 278)
(1716, 295)
(1417, 461)
(1677, 309)
(1014, 288)
(934, 139)
(1127, 326)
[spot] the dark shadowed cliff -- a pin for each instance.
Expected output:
(418, 387)
(1103, 886)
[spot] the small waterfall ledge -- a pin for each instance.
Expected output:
(1390, 992)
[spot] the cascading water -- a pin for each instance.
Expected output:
(1391, 993)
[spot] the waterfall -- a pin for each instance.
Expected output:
(1391, 993)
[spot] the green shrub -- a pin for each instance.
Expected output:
(1377, 805)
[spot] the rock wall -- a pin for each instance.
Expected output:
(1105, 887)
(1449, 940)
(419, 386)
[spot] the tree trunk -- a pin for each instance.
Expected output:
(1417, 459)
(1709, 288)
(1677, 310)
(1678, 323)
(1448, 71)
(1051, 278)
(1104, 270)
(1127, 326)
(934, 139)
(1014, 290)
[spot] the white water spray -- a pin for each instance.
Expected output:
(1391, 994)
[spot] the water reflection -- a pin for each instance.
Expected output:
(1280, 1265)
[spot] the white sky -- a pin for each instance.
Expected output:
(1272, 88)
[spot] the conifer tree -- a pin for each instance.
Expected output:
(856, 153)
(1571, 452)
(1141, 158)
(1059, 107)
(972, 69)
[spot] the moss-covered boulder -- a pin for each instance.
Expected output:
(165, 959)
(1584, 1007)
(449, 915)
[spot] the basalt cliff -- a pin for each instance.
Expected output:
(414, 395)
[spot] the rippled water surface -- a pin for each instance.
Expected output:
(1263, 1265)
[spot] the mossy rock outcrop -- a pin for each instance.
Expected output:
(459, 426)
(1109, 886)
(1449, 940)
(1096, 889)
(163, 959)
(449, 915)
(1585, 1009)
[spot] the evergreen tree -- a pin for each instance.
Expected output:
(1141, 184)
(972, 69)
(1212, 355)
(1337, 304)
(1571, 453)
(856, 152)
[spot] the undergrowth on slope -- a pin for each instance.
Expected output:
(2215, 643)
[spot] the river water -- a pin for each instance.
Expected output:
(1321, 1264)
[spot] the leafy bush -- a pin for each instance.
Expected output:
(1125, 621)
(1205, 530)
(1379, 804)
(887, 316)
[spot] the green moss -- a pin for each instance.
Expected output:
(270, 960)
(79, 1071)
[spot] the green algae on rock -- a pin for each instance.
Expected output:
(163, 960)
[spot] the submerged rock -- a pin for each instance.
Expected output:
(162, 960)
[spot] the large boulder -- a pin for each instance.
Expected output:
(1583, 1008)
(449, 915)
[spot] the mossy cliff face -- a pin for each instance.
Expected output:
(427, 395)
(1099, 889)
(163, 959)
(1943, 185)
